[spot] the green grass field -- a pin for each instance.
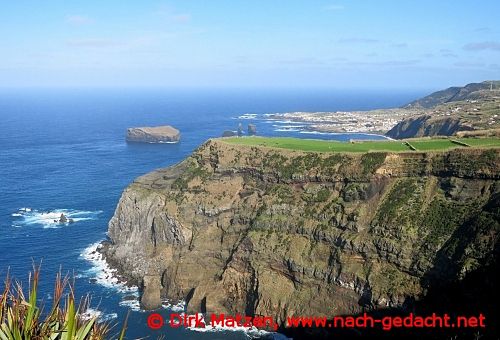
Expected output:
(424, 144)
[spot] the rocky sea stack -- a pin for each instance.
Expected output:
(157, 134)
(263, 231)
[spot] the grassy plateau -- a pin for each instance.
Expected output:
(419, 144)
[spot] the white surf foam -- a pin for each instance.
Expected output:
(289, 126)
(321, 133)
(50, 219)
(164, 142)
(132, 304)
(287, 130)
(106, 276)
(247, 116)
(250, 331)
(103, 273)
(287, 122)
(94, 313)
(178, 307)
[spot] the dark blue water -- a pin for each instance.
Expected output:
(65, 149)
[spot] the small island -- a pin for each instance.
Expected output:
(157, 134)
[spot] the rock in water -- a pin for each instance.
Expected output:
(157, 134)
(63, 219)
(150, 298)
(240, 130)
(228, 133)
(252, 129)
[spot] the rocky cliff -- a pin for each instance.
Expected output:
(277, 232)
(427, 125)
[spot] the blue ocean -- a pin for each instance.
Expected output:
(64, 151)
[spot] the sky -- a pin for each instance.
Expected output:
(356, 44)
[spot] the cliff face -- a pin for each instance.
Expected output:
(252, 230)
(426, 125)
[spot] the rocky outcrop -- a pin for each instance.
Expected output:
(252, 129)
(261, 231)
(157, 134)
(427, 125)
(150, 298)
(229, 133)
(63, 219)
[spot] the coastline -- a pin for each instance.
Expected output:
(372, 122)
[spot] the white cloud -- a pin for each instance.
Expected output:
(400, 45)
(468, 64)
(484, 45)
(181, 18)
(78, 20)
(92, 43)
(170, 14)
(390, 63)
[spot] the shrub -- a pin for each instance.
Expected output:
(21, 318)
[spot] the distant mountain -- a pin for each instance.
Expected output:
(471, 91)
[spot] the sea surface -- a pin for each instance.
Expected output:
(64, 151)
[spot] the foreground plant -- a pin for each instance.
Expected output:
(21, 318)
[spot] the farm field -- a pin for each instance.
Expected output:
(423, 144)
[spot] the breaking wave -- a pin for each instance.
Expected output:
(51, 218)
(102, 273)
(248, 116)
(94, 313)
(252, 332)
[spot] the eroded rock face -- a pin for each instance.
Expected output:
(427, 125)
(242, 229)
(157, 134)
(150, 298)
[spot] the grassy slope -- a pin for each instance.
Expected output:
(424, 144)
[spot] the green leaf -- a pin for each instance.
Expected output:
(124, 327)
(84, 331)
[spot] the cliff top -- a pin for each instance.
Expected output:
(164, 130)
(416, 144)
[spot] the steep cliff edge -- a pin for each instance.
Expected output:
(427, 125)
(278, 232)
